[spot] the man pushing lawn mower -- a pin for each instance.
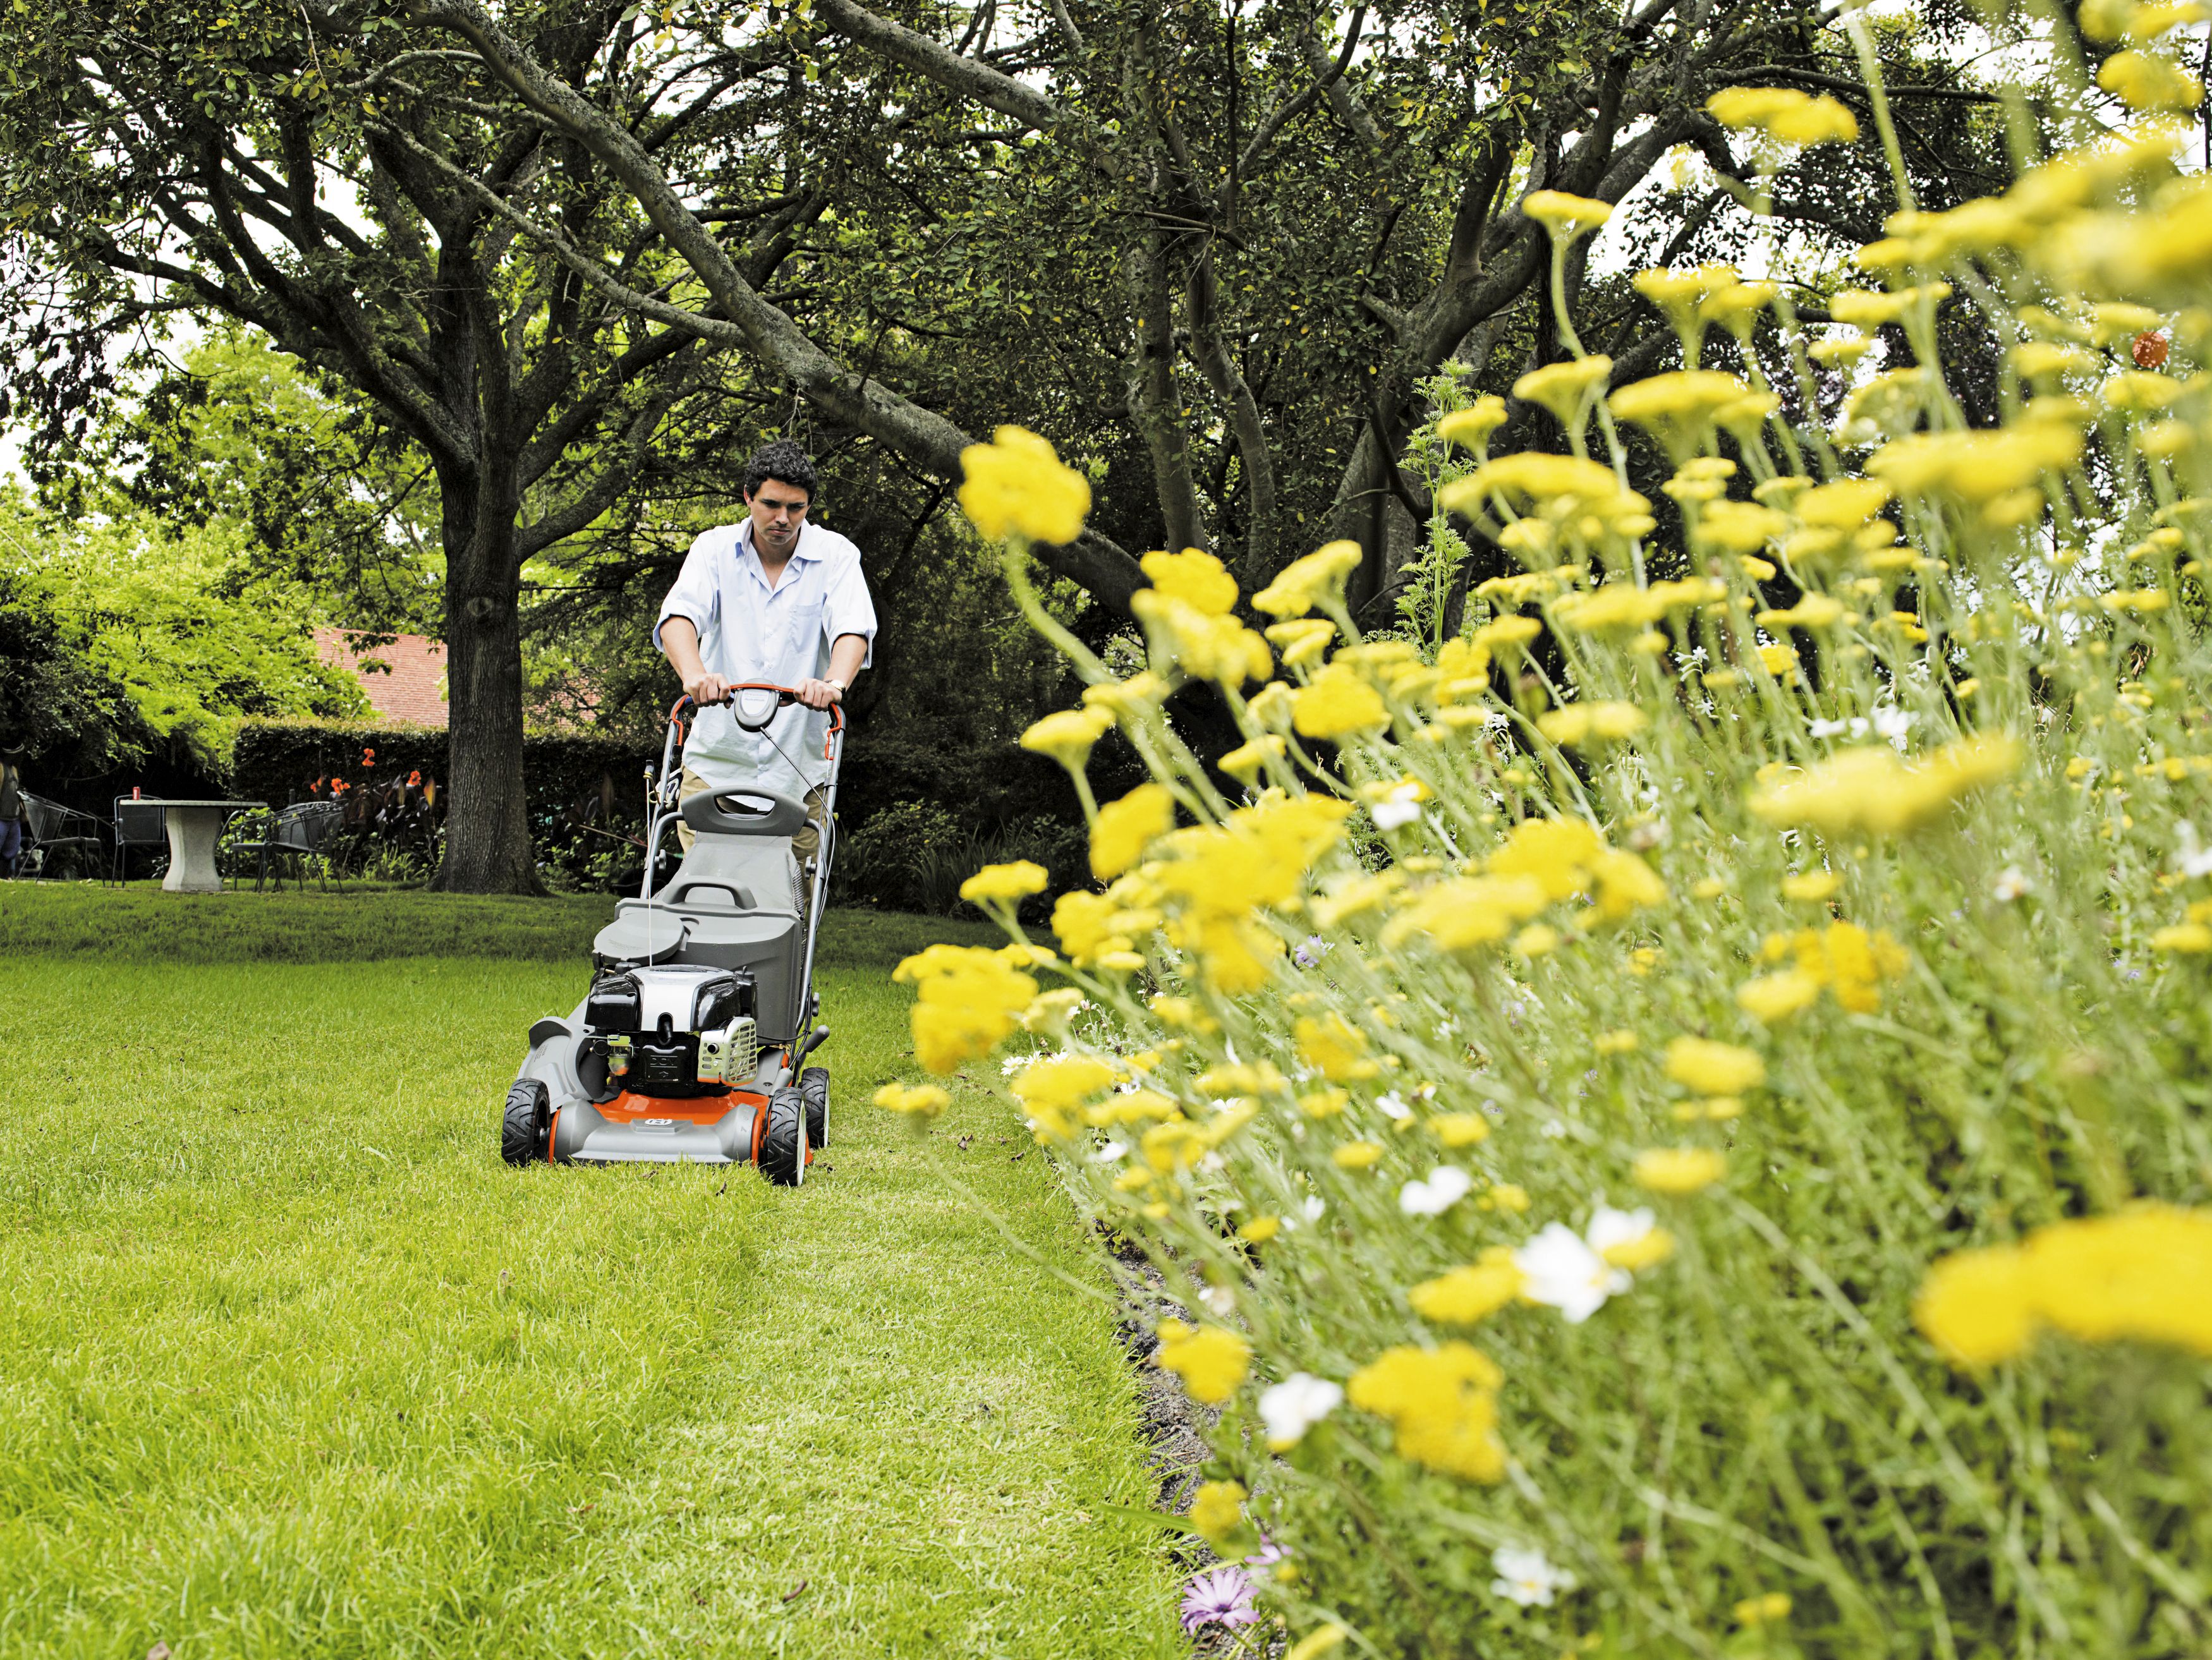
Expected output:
(689, 1046)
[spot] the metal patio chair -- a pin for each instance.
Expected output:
(136, 825)
(298, 833)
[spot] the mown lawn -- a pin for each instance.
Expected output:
(290, 1364)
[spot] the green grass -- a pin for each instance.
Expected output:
(290, 1364)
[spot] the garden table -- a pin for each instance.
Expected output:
(193, 827)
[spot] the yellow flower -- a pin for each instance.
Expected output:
(1868, 310)
(1679, 1169)
(1580, 723)
(1015, 881)
(1812, 610)
(1211, 1361)
(1681, 407)
(2191, 938)
(1198, 579)
(1460, 1129)
(1869, 789)
(1815, 885)
(968, 1001)
(1537, 939)
(1260, 1230)
(1772, 997)
(1324, 1640)
(1565, 215)
(1247, 761)
(1466, 1295)
(1067, 735)
(1623, 1042)
(1975, 1307)
(1356, 1155)
(1470, 428)
(1334, 1046)
(1991, 470)
(923, 1100)
(1217, 1509)
(1556, 853)
(1127, 827)
(1054, 1085)
(1459, 916)
(2146, 84)
(1303, 640)
(1016, 486)
(1337, 703)
(1762, 1610)
(1307, 582)
(1794, 118)
(1624, 884)
(1443, 1404)
(1711, 1068)
(1564, 388)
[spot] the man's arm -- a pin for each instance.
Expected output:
(846, 655)
(679, 643)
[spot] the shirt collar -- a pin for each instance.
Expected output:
(808, 548)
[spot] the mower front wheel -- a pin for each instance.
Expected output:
(814, 1084)
(783, 1147)
(528, 1116)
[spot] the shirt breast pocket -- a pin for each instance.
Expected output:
(805, 635)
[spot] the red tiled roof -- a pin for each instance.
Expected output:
(405, 681)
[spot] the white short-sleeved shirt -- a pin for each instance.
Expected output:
(779, 636)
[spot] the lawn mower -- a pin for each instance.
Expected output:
(688, 1048)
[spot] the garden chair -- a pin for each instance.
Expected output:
(298, 833)
(136, 825)
(56, 829)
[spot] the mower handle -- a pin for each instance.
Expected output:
(784, 697)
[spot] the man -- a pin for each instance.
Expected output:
(772, 599)
(13, 812)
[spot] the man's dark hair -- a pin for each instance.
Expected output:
(785, 462)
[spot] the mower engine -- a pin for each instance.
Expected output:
(674, 1032)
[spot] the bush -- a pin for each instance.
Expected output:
(1735, 1180)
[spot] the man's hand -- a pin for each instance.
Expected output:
(819, 694)
(703, 688)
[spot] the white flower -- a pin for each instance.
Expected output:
(1110, 1152)
(1829, 728)
(1294, 1406)
(1392, 1106)
(1220, 1299)
(1560, 1269)
(1610, 1227)
(1398, 809)
(1893, 723)
(2193, 860)
(1526, 1577)
(2012, 882)
(1447, 1185)
(1312, 1206)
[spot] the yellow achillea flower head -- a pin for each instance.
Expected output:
(1711, 1068)
(1337, 703)
(1015, 881)
(1989, 470)
(1015, 486)
(1772, 997)
(1466, 1295)
(968, 1001)
(1460, 1129)
(1679, 1169)
(1470, 428)
(1564, 388)
(1869, 789)
(1200, 643)
(1584, 723)
(1216, 1508)
(1678, 409)
(1557, 852)
(923, 1100)
(1792, 117)
(1356, 1155)
(2146, 84)
(1127, 827)
(1565, 215)
(1336, 1048)
(1443, 1404)
(1867, 309)
(1762, 1610)
(1459, 916)
(1303, 640)
(1307, 582)
(1198, 579)
(1247, 761)
(1067, 735)
(1211, 1361)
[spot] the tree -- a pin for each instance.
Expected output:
(322, 177)
(1213, 248)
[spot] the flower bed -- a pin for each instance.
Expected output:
(1680, 1109)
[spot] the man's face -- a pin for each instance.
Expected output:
(778, 510)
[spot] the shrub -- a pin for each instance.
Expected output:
(1732, 1180)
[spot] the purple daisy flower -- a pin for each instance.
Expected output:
(1219, 1597)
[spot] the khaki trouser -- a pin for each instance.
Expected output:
(805, 845)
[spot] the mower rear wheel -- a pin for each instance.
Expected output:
(783, 1148)
(522, 1129)
(814, 1084)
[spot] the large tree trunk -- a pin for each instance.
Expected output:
(487, 817)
